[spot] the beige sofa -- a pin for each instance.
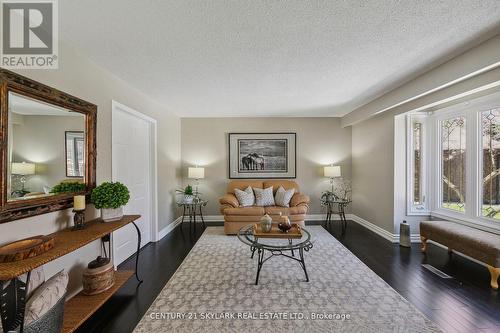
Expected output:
(236, 217)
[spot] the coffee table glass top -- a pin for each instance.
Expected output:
(246, 236)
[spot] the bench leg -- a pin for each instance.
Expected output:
(495, 273)
(423, 248)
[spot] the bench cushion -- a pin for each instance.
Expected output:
(478, 244)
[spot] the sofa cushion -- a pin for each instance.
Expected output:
(243, 184)
(248, 211)
(275, 210)
(246, 198)
(287, 184)
(283, 197)
(264, 197)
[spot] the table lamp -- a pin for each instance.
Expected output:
(23, 169)
(332, 171)
(196, 173)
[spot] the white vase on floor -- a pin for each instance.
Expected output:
(111, 214)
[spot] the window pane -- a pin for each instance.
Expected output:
(490, 121)
(417, 162)
(453, 163)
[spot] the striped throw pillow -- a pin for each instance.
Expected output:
(264, 197)
(246, 197)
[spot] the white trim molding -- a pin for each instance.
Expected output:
(167, 229)
(393, 238)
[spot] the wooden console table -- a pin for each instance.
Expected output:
(80, 307)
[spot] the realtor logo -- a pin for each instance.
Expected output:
(29, 34)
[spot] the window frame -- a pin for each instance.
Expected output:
(412, 208)
(471, 110)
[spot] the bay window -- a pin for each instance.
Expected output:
(453, 162)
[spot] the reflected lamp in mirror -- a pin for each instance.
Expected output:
(196, 173)
(22, 171)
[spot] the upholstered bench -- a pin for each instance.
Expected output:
(478, 244)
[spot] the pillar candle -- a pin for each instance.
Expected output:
(79, 202)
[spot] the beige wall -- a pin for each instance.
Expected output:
(373, 171)
(81, 77)
(320, 141)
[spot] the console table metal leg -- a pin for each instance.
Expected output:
(290, 243)
(138, 251)
(303, 263)
(260, 253)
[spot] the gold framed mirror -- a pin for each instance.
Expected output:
(48, 150)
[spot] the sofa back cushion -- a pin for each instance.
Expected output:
(276, 183)
(243, 184)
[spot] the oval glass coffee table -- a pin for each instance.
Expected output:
(276, 247)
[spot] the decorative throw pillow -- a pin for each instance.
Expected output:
(45, 297)
(246, 197)
(264, 197)
(37, 277)
(283, 197)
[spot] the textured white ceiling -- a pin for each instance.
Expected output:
(272, 58)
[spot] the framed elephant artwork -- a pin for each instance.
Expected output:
(262, 155)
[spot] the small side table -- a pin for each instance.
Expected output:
(191, 209)
(336, 207)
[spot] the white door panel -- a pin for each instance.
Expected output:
(131, 164)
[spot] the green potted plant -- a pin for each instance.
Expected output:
(110, 197)
(188, 194)
(68, 187)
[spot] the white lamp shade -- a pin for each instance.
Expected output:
(332, 171)
(23, 168)
(196, 172)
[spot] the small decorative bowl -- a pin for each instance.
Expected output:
(284, 226)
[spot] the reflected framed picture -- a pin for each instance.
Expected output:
(262, 155)
(75, 149)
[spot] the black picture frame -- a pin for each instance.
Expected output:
(290, 172)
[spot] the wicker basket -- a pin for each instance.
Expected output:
(98, 279)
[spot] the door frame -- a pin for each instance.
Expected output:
(153, 155)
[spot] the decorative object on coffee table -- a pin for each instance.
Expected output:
(110, 197)
(26, 248)
(284, 224)
(295, 231)
(266, 223)
(98, 277)
(276, 244)
(262, 155)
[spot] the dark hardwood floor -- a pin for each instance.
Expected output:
(464, 303)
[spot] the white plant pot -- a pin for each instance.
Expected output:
(188, 198)
(111, 214)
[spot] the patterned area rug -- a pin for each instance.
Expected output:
(213, 291)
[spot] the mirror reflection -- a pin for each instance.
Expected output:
(46, 149)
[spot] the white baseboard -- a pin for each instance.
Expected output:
(166, 230)
(393, 238)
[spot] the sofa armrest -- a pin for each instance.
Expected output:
(299, 199)
(229, 200)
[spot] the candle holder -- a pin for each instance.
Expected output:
(79, 219)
